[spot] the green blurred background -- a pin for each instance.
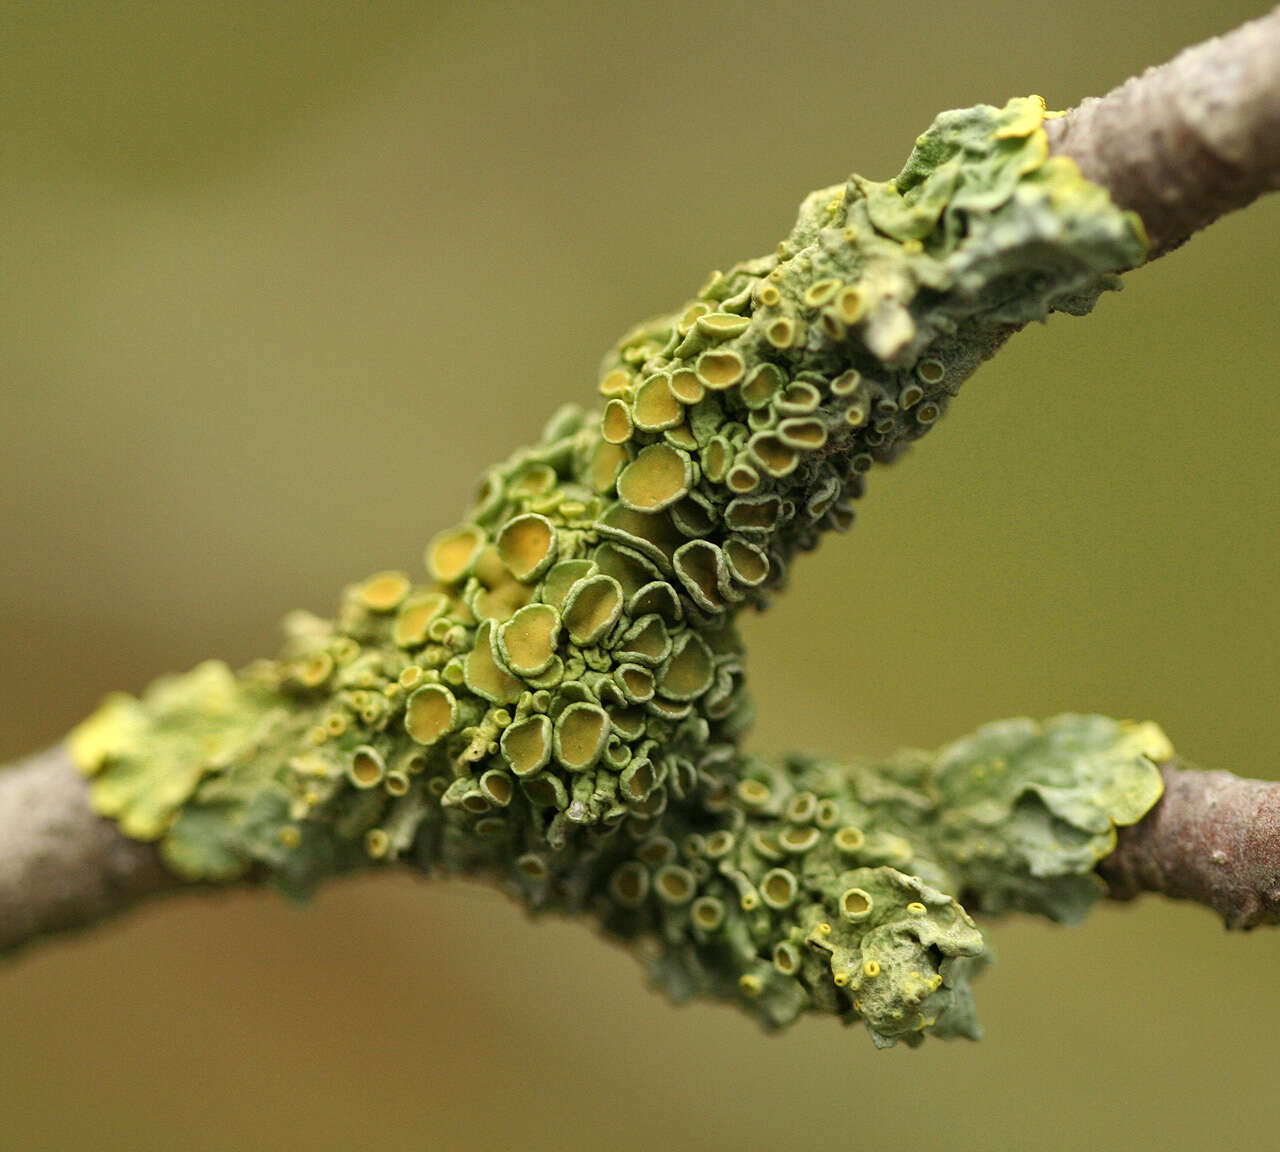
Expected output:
(277, 280)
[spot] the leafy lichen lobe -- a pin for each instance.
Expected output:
(562, 706)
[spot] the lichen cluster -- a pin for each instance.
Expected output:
(561, 706)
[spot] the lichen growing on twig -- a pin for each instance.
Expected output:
(562, 706)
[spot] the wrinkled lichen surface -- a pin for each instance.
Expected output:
(561, 706)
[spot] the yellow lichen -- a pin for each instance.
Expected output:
(655, 406)
(655, 479)
(580, 734)
(451, 553)
(527, 545)
(430, 713)
(528, 640)
(383, 592)
(720, 369)
(564, 708)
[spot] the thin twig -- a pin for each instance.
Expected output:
(1213, 838)
(1189, 141)
(61, 865)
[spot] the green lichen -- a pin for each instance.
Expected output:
(562, 707)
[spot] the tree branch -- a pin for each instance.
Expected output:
(61, 865)
(512, 719)
(1214, 838)
(1189, 141)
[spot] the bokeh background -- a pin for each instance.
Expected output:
(278, 280)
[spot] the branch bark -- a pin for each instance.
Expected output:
(61, 865)
(1212, 838)
(1189, 141)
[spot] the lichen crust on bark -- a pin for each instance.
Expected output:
(562, 705)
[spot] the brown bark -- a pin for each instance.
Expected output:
(1213, 838)
(61, 865)
(1189, 141)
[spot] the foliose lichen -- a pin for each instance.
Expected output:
(561, 706)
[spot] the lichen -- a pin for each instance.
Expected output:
(562, 706)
